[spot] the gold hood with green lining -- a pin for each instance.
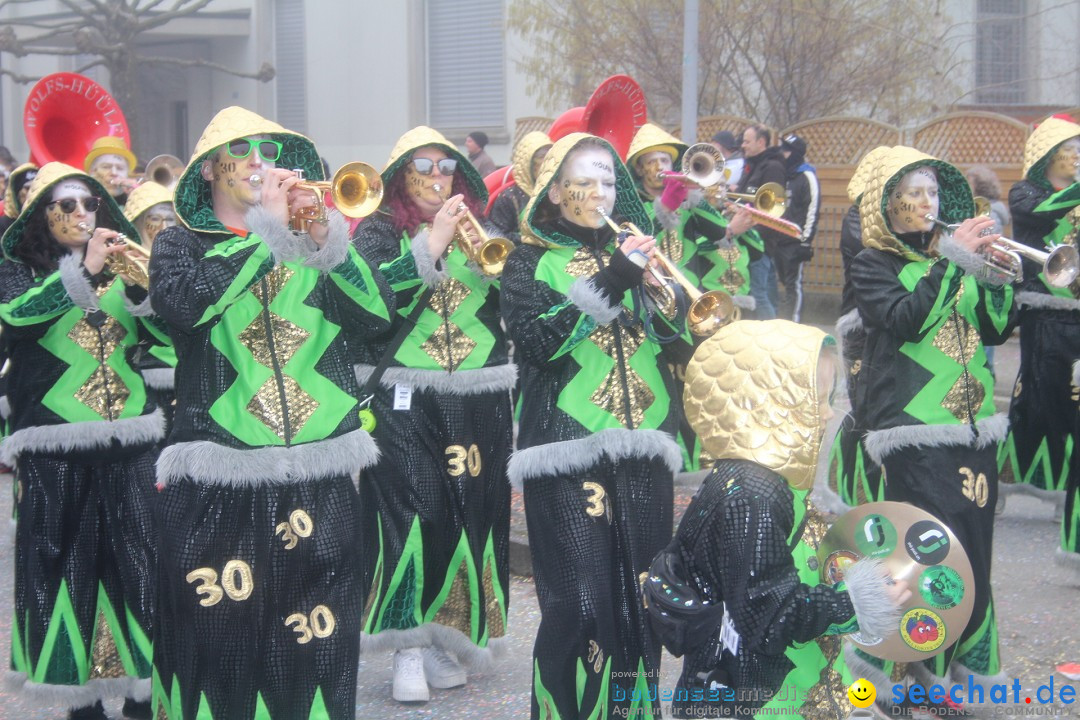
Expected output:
(1043, 143)
(522, 159)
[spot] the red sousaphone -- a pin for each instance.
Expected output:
(64, 114)
(615, 112)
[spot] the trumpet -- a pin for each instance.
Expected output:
(1003, 260)
(133, 262)
(702, 165)
(707, 311)
(491, 256)
(356, 190)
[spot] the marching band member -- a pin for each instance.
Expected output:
(505, 212)
(437, 504)
(596, 453)
(759, 393)
(15, 195)
(260, 593)
(84, 441)
(1041, 451)
(110, 162)
(925, 390)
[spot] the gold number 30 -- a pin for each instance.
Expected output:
(975, 487)
(298, 526)
(236, 582)
(461, 459)
(322, 624)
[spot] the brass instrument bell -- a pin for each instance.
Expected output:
(356, 190)
(491, 256)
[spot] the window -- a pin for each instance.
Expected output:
(466, 77)
(1001, 47)
(290, 64)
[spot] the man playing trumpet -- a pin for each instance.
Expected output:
(110, 162)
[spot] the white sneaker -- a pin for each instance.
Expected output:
(410, 685)
(442, 670)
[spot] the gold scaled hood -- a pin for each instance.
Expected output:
(954, 197)
(653, 137)
(752, 394)
(11, 202)
(857, 185)
(1041, 145)
(145, 197)
(522, 159)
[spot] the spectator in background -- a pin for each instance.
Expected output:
(984, 183)
(764, 164)
(475, 144)
(725, 142)
(7, 160)
(803, 209)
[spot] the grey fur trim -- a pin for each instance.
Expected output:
(589, 300)
(77, 284)
(880, 444)
(827, 499)
(848, 323)
(861, 668)
(498, 378)
(430, 269)
(744, 302)
(1076, 373)
(336, 249)
(475, 659)
(276, 234)
(1064, 558)
(969, 262)
(695, 197)
(82, 436)
(208, 462)
(143, 309)
(668, 219)
(922, 674)
(159, 378)
(571, 456)
(76, 696)
(1023, 488)
(1045, 301)
(867, 581)
(5, 407)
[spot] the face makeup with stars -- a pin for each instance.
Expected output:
(109, 170)
(1063, 170)
(913, 198)
(153, 221)
(585, 182)
(421, 188)
(230, 178)
(648, 165)
(64, 227)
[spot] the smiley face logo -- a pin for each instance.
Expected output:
(862, 693)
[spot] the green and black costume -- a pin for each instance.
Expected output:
(260, 589)
(596, 452)
(926, 394)
(83, 443)
(437, 504)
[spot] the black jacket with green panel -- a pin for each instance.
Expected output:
(264, 391)
(457, 343)
(1043, 217)
(925, 379)
(72, 339)
(591, 383)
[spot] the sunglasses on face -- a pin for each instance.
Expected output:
(269, 150)
(68, 205)
(424, 166)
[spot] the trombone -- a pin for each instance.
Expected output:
(707, 312)
(491, 256)
(1002, 261)
(356, 190)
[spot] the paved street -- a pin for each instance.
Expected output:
(1037, 605)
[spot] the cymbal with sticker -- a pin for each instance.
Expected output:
(914, 546)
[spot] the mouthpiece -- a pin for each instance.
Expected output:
(84, 227)
(255, 180)
(436, 187)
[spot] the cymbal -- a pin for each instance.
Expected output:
(914, 546)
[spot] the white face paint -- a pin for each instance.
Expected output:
(230, 178)
(913, 198)
(648, 166)
(586, 181)
(110, 170)
(153, 221)
(64, 226)
(1064, 169)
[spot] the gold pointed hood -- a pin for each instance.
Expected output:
(194, 207)
(527, 146)
(653, 137)
(145, 197)
(11, 202)
(857, 185)
(48, 176)
(627, 205)
(752, 394)
(955, 202)
(1041, 145)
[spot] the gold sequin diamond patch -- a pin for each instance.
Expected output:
(103, 392)
(959, 340)
(448, 345)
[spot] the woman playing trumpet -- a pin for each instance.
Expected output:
(84, 444)
(596, 450)
(438, 500)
